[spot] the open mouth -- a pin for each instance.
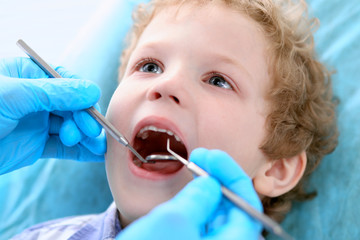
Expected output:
(151, 140)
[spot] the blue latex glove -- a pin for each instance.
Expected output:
(200, 206)
(40, 117)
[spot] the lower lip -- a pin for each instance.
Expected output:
(150, 175)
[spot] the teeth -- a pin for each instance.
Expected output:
(144, 132)
(144, 135)
(137, 162)
(152, 128)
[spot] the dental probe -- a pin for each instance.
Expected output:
(109, 128)
(267, 222)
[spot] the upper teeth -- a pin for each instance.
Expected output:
(143, 133)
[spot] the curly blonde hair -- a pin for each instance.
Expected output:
(302, 108)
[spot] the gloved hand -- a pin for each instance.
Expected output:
(41, 117)
(200, 206)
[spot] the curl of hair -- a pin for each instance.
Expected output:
(302, 107)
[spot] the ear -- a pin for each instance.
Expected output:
(277, 177)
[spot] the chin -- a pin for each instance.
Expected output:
(132, 209)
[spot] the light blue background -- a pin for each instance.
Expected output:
(49, 26)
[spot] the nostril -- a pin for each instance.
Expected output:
(175, 99)
(157, 95)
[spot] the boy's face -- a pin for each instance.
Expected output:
(202, 75)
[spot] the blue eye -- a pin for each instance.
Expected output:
(150, 67)
(219, 81)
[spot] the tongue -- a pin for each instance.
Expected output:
(163, 166)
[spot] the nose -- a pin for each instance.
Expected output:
(158, 95)
(170, 88)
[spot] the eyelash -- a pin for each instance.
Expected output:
(147, 60)
(222, 76)
(209, 76)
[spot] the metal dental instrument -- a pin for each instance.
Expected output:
(267, 222)
(109, 128)
(155, 157)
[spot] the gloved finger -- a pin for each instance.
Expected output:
(96, 145)
(33, 95)
(69, 133)
(54, 148)
(87, 124)
(29, 69)
(7, 126)
(239, 225)
(20, 67)
(65, 73)
(230, 174)
(195, 203)
(22, 148)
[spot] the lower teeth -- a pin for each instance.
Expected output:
(137, 162)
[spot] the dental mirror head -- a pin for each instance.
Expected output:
(159, 157)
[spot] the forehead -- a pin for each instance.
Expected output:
(208, 30)
(214, 24)
(209, 18)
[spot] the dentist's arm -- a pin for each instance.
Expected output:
(43, 118)
(199, 211)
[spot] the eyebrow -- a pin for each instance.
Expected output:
(231, 61)
(153, 46)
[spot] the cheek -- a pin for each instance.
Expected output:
(239, 133)
(115, 161)
(117, 102)
(120, 107)
(117, 113)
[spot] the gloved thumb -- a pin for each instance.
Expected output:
(195, 204)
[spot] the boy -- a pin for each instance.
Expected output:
(235, 75)
(239, 76)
